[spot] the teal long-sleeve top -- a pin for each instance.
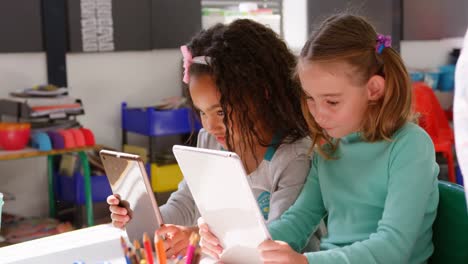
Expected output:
(381, 199)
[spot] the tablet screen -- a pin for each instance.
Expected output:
(218, 183)
(127, 177)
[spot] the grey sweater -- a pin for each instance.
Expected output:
(276, 182)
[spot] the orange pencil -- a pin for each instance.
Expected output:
(160, 250)
(148, 249)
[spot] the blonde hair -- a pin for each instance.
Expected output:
(352, 40)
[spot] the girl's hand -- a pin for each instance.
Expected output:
(119, 215)
(280, 252)
(177, 238)
(209, 243)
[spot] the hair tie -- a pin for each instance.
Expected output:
(383, 41)
(188, 60)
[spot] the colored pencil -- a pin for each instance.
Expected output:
(123, 244)
(179, 260)
(193, 243)
(160, 250)
(197, 256)
(137, 247)
(148, 249)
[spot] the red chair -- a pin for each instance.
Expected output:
(433, 119)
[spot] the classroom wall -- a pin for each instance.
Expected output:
(26, 179)
(427, 54)
(102, 81)
(295, 15)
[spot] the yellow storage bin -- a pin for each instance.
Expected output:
(165, 178)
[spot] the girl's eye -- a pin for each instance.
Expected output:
(220, 113)
(333, 103)
(201, 113)
(309, 98)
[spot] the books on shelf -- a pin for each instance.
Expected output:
(40, 101)
(48, 90)
(52, 107)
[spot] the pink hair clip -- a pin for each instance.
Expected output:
(383, 42)
(188, 60)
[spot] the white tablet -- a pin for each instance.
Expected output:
(127, 177)
(218, 183)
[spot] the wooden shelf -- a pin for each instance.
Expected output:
(32, 153)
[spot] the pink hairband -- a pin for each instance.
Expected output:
(188, 60)
(383, 42)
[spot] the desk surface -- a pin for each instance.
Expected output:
(31, 152)
(93, 245)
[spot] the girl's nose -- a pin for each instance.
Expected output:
(211, 124)
(319, 117)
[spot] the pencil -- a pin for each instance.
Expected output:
(125, 249)
(133, 257)
(148, 249)
(179, 260)
(193, 242)
(160, 250)
(123, 244)
(143, 254)
(128, 260)
(137, 247)
(197, 257)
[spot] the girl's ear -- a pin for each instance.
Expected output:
(375, 88)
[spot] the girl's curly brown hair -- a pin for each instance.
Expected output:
(252, 69)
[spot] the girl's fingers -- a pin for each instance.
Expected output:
(175, 238)
(118, 210)
(209, 237)
(178, 248)
(120, 218)
(209, 252)
(274, 257)
(214, 248)
(173, 244)
(113, 199)
(269, 245)
(118, 224)
(165, 230)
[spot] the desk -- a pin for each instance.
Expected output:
(93, 245)
(32, 153)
